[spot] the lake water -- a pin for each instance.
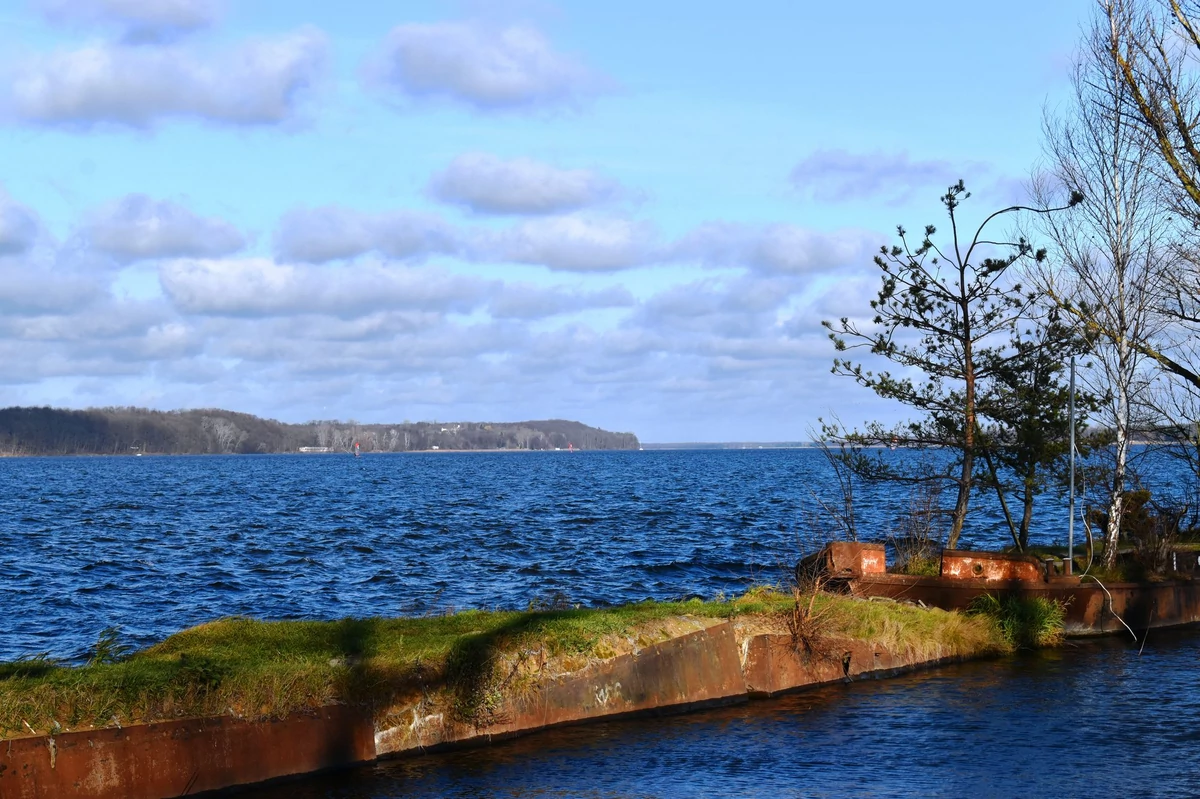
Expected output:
(157, 544)
(1092, 720)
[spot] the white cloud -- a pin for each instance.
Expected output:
(486, 67)
(839, 176)
(487, 184)
(576, 243)
(742, 307)
(571, 242)
(527, 301)
(18, 226)
(325, 234)
(383, 340)
(258, 83)
(255, 287)
(27, 289)
(777, 249)
(142, 20)
(849, 296)
(137, 227)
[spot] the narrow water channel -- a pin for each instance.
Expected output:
(1091, 720)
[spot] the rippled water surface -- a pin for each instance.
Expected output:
(157, 544)
(1097, 720)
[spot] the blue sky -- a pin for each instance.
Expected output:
(631, 214)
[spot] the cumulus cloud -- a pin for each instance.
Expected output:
(527, 301)
(571, 242)
(256, 287)
(849, 296)
(141, 20)
(278, 337)
(486, 67)
(104, 320)
(577, 243)
(838, 175)
(27, 290)
(137, 227)
(778, 248)
(257, 83)
(487, 184)
(317, 235)
(45, 279)
(320, 348)
(18, 226)
(745, 307)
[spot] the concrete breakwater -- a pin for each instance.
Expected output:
(1089, 607)
(690, 663)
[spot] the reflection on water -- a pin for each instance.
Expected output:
(1091, 720)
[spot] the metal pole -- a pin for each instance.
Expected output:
(1070, 564)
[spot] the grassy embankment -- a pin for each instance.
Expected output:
(256, 669)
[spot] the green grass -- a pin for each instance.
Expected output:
(256, 669)
(1026, 623)
(924, 632)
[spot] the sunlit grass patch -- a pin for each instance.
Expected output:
(1025, 622)
(924, 632)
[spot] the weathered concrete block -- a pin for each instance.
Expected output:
(700, 668)
(175, 758)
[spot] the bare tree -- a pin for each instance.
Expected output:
(223, 435)
(1114, 252)
(1153, 49)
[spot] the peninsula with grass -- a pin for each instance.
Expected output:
(239, 701)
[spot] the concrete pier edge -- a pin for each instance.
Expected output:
(713, 666)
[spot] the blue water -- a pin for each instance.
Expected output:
(1095, 720)
(157, 544)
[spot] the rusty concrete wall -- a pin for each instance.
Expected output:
(1089, 609)
(776, 664)
(958, 564)
(856, 558)
(701, 668)
(715, 665)
(178, 758)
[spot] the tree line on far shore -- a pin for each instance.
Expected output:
(132, 431)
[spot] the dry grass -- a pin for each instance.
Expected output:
(921, 632)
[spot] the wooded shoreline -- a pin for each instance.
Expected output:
(140, 431)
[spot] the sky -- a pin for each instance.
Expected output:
(635, 215)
